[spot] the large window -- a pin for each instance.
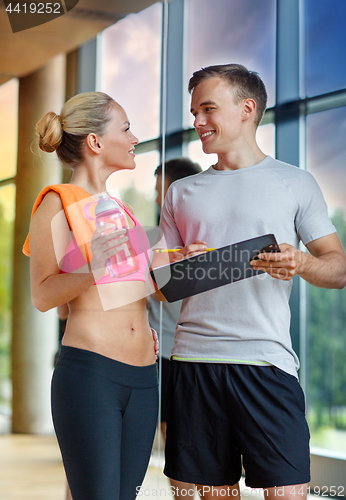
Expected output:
(7, 203)
(326, 381)
(131, 65)
(138, 187)
(222, 32)
(8, 166)
(325, 41)
(8, 129)
(131, 74)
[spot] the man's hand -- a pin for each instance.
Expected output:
(196, 248)
(160, 259)
(324, 267)
(282, 265)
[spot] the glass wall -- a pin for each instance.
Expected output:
(131, 74)
(325, 72)
(221, 32)
(7, 203)
(325, 40)
(8, 154)
(131, 67)
(8, 129)
(138, 187)
(326, 381)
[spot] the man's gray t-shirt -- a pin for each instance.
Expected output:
(247, 321)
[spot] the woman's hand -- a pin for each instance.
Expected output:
(105, 243)
(156, 342)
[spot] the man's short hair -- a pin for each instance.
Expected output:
(177, 168)
(246, 84)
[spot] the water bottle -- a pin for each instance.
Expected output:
(125, 261)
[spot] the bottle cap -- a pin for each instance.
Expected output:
(105, 203)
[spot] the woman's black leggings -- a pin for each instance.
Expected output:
(105, 414)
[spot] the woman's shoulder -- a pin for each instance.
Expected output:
(51, 199)
(59, 196)
(50, 205)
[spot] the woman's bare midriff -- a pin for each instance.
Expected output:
(105, 320)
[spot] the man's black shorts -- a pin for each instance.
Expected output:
(220, 414)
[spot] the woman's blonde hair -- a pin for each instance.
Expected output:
(83, 114)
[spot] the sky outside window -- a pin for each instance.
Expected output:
(131, 68)
(229, 31)
(325, 39)
(326, 155)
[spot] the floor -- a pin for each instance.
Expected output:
(31, 468)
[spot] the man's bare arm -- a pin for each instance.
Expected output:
(324, 267)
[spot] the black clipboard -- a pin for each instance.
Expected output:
(212, 269)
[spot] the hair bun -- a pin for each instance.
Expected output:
(50, 132)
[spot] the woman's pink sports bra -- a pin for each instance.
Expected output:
(78, 252)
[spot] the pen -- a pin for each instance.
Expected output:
(170, 250)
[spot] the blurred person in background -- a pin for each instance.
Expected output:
(175, 169)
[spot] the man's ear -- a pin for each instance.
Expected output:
(249, 108)
(93, 143)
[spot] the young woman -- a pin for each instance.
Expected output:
(104, 387)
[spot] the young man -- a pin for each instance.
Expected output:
(234, 392)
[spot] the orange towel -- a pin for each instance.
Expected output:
(73, 200)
